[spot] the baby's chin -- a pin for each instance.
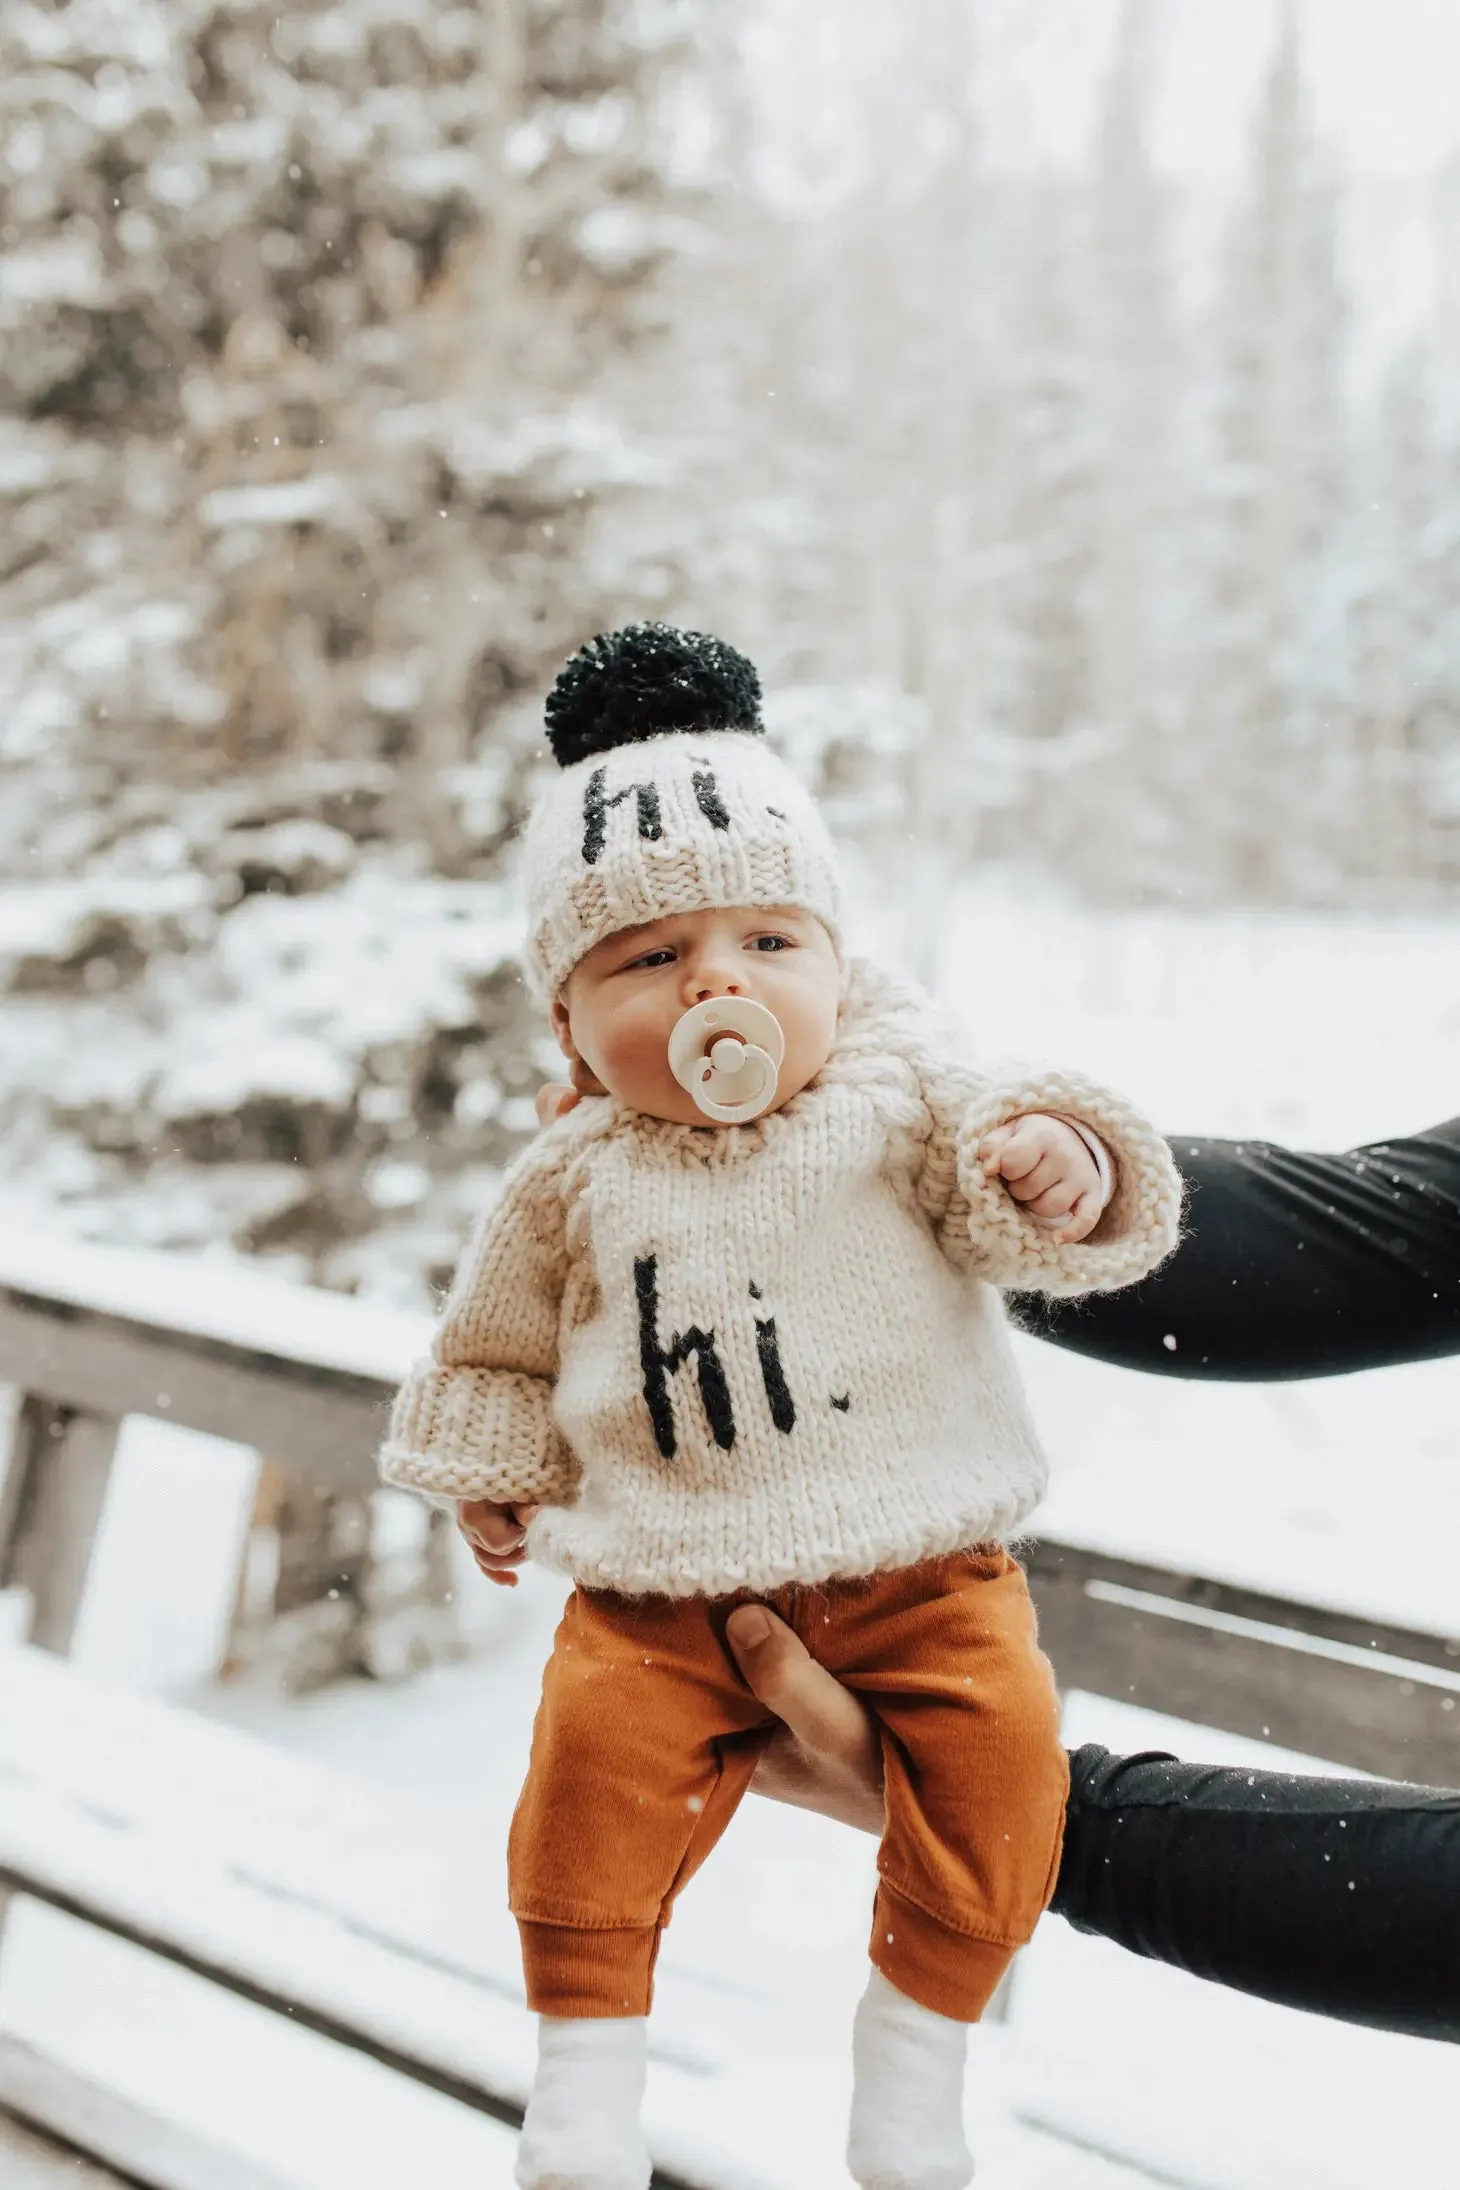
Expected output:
(681, 1109)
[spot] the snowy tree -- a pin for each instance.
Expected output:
(310, 315)
(1276, 455)
(1134, 385)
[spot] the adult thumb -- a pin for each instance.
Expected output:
(825, 1718)
(554, 1099)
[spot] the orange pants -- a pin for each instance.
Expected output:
(647, 1738)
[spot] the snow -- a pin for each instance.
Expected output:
(289, 502)
(1233, 2093)
(28, 2163)
(438, 173)
(232, 1850)
(746, 2077)
(68, 271)
(1273, 1486)
(1322, 1029)
(229, 1072)
(376, 961)
(51, 919)
(1112, 2071)
(216, 1298)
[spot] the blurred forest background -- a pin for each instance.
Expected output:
(358, 360)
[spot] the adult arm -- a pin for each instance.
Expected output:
(1291, 1265)
(1341, 1897)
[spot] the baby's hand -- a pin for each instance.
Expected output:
(1046, 1166)
(495, 1534)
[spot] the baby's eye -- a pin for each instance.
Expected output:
(771, 943)
(664, 956)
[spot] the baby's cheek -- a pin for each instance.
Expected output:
(635, 1052)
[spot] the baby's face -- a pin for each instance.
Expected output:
(618, 1007)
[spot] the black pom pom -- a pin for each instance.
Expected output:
(645, 680)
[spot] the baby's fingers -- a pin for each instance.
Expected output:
(498, 1570)
(1022, 1146)
(492, 1527)
(991, 1148)
(1081, 1221)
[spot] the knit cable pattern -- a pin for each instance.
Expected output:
(730, 1359)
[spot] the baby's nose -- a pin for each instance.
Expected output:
(707, 978)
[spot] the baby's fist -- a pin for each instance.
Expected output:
(496, 1535)
(1049, 1169)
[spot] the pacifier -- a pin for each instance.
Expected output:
(726, 1053)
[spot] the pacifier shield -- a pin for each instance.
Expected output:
(727, 1052)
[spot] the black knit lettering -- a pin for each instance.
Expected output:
(773, 1375)
(712, 806)
(843, 1404)
(598, 803)
(659, 1363)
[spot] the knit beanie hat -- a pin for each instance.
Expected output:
(668, 801)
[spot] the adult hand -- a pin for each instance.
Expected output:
(828, 1756)
(554, 1099)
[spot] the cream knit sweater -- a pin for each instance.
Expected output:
(727, 1359)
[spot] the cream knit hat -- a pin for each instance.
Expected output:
(668, 800)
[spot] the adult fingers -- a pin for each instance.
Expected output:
(554, 1099)
(788, 1773)
(829, 1725)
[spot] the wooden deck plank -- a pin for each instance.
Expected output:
(130, 2139)
(1380, 1699)
(29, 2161)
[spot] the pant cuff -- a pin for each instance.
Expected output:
(587, 1973)
(941, 1969)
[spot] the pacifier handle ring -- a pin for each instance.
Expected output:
(754, 1046)
(749, 1106)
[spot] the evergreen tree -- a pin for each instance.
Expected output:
(1272, 494)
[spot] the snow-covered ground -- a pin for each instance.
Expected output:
(1319, 1031)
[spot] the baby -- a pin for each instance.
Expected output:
(733, 1331)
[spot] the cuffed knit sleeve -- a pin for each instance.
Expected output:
(475, 1420)
(983, 1228)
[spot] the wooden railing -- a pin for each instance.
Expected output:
(89, 1336)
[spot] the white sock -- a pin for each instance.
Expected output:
(907, 2095)
(582, 2127)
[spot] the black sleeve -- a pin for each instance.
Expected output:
(1338, 1896)
(1289, 1265)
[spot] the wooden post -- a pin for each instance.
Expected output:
(299, 1607)
(50, 1509)
(319, 1599)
